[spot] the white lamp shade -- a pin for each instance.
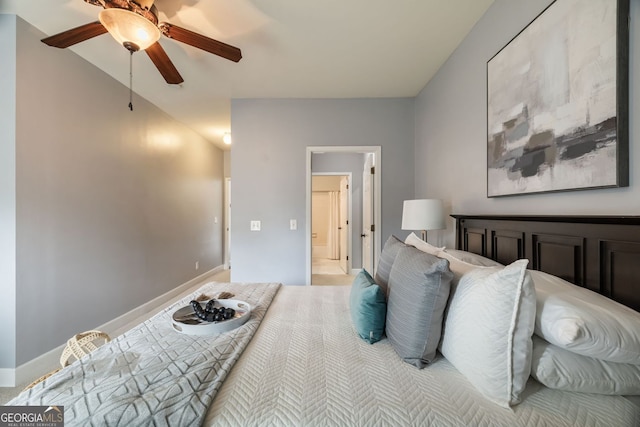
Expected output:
(423, 214)
(127, 26)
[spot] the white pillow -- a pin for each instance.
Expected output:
(563, 370)
(418, 243)
(460, 261)
(585, 322)
(457, 266)
(471, 258)
(488, 327)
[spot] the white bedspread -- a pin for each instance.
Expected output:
(306, 366)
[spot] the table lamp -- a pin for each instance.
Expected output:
(423, 215)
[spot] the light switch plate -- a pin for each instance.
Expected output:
(255, 225)
(293, 224)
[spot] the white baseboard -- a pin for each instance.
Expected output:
(123, 323)
(355, 271)
(7, 376)
(50, 360)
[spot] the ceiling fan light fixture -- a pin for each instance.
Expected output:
(129, 29)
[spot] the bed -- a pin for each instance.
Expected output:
(304, 363)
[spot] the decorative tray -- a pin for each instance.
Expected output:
(185, 320)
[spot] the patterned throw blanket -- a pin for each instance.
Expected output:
(153, 375)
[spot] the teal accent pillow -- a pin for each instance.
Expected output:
(368, 307)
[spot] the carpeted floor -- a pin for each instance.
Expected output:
(8, 393)
(331, 279)
(327, 272)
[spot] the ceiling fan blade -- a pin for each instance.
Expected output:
(75, 35)
(164, 64)
(201, 42)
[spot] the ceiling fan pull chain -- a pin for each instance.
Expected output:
(131, 80)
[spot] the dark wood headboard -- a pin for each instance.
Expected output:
(601, 253)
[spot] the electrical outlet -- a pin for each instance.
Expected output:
(293, 224)
(197, 265)
(255, 225)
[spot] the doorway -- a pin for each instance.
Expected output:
(331, 228)
(363, 239)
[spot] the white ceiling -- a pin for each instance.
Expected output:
(290, 49)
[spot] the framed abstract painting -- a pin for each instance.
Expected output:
(558, 102)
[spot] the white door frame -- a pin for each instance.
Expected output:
(377, 191)
(367, 213)
(349, 176)
(227, 223)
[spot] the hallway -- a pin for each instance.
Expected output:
(327, 272)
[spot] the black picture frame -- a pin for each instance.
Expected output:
(558, 102)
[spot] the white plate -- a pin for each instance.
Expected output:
(184, 320)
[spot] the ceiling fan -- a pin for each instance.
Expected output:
(134, 24)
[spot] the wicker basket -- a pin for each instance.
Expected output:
(82, 344)
(77, 346)
(42, 378)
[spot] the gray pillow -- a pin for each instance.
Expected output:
(419, 285)
(387, 257)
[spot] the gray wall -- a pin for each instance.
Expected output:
(113, 207)
(7, 192)
(354, 163)
(268, 172)
(451, 128)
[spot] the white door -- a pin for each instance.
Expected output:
(368, 226)
(343, 229)
(227, 223)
